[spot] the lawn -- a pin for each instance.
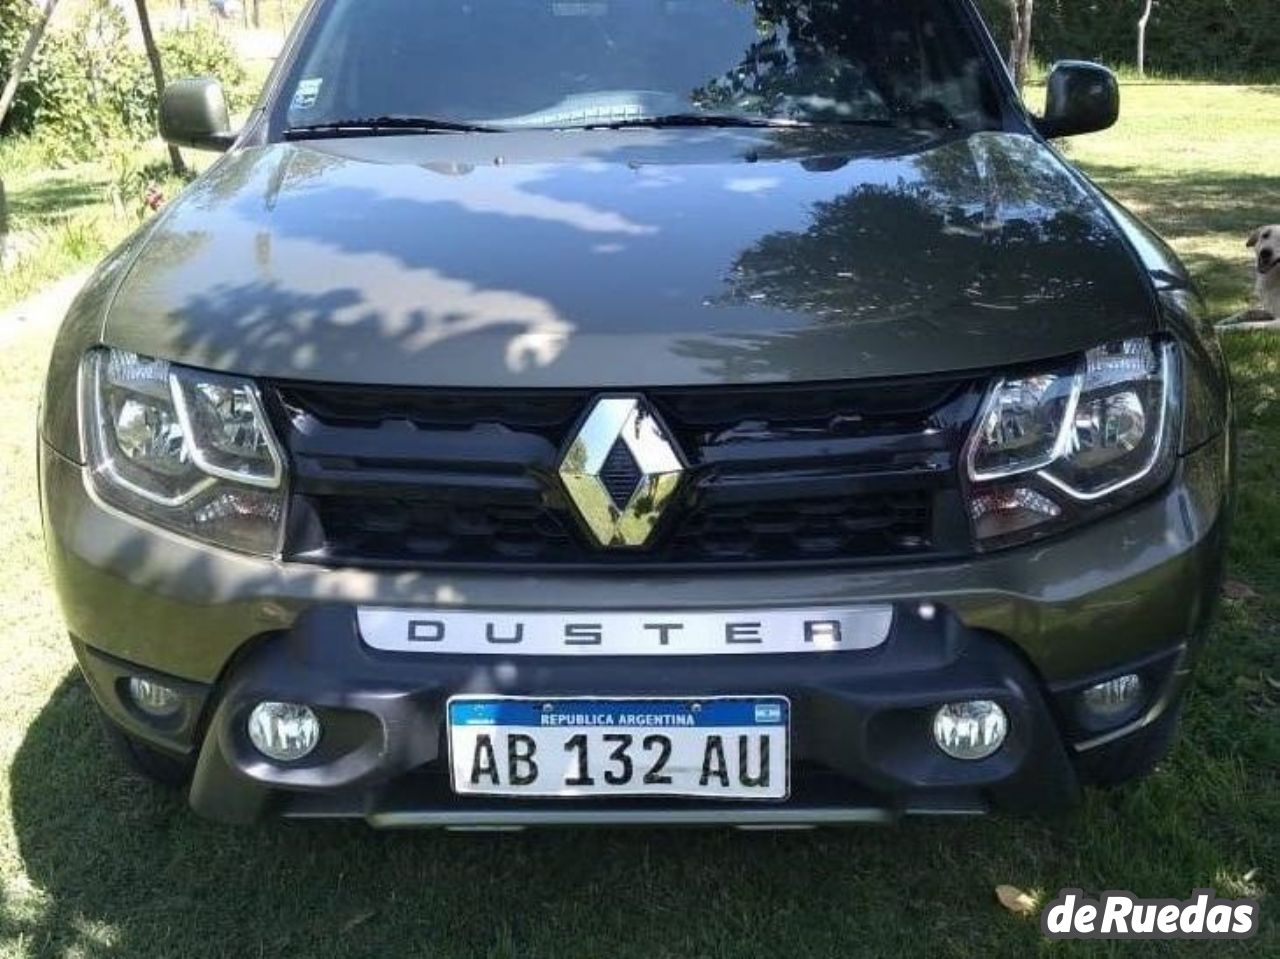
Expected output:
(64, 216)
(60, 220)
(96, 863)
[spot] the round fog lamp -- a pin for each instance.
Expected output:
(154, 699)
(285, 732)
(971, 730)
(1112, 699)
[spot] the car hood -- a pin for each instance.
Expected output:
(629, 258)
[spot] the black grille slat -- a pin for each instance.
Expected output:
(894, 448)
(785, 474)
(355, 480)
(815, 529)
(818, 487)
(370, 407)
(871, 529)
(431, 530)
(483, 448)
(883, 403)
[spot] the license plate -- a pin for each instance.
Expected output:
(717, 748)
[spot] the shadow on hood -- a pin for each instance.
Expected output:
(630, 258)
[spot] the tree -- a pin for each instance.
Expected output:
(1020, 46)
(1142, 37)
(157, 72)
(25, 57)
(4, 223)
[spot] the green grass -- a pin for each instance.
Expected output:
(95, 863)
(1194, 160)
(59, 220)
(62, 216)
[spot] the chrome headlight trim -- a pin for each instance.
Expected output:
(201, 458)
(133, 473)
(1104, 456)
(94, 440)
(1061, 446)
(1171, 380)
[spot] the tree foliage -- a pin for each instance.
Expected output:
(204, 52)
(1214, 39)
(90, 84)
(16, 19)
(86, 83)
(18, 63)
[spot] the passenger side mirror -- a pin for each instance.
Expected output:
(193, 113)
(1082, 98)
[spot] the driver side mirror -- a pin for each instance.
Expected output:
(193, 113)
(1082, 98)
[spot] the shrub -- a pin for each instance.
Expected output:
(90, 84)
(139, 182)
(204, 52)
(86, 85)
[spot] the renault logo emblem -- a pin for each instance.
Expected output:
(621, 471)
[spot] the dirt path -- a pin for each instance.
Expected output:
(43, 311)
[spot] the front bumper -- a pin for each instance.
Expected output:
(862, 749)
(1025, 627)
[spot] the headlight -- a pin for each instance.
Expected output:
(1056, 446)
(187, 450)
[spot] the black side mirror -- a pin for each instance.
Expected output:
(1082, 98)
(193, 113)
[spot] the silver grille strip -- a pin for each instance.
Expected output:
(670, 633)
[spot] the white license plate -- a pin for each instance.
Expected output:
(717, 748)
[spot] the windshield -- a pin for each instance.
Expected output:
(577, 63)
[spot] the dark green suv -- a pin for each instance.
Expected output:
(638, 411)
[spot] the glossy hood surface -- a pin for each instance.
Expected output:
(630, 258)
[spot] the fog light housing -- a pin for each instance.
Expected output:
(1114, 699)
(970, 730)
(155, 699)
(285, 732)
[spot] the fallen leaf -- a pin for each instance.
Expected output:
(1271, 681)
(1234, 589)
(1015, 900)
(1252, 874)
(357, 920)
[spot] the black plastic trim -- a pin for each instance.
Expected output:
(781, 476)
(860, 735)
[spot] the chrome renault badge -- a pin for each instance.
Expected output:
(621, 471)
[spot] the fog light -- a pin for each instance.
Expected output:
(972, 730)
(154, 699)
(1113, 699)
(284, 732)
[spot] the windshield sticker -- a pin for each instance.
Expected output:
(307, 93)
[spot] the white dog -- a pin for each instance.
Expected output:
(1265, 242)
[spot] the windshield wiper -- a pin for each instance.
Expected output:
(733, 120)
(383, 126)
(691, 120)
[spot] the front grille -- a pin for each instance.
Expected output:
(778, 475)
